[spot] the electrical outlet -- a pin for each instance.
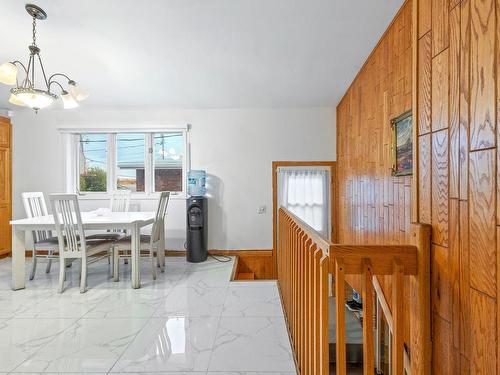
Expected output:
(262, 210)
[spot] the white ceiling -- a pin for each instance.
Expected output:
(201, 53)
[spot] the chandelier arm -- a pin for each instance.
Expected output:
(59, 74)
(17, 62)
(43, 72)
(57, 83)
(20, 63)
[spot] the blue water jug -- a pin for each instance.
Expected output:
(196, 183)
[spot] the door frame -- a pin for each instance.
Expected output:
(333, 198)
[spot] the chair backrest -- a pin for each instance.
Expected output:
(160, 216)
(69, 227)
(35, 206)
(120, 201)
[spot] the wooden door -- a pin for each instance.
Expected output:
(5, 185)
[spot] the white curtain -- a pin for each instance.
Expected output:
(305, 192)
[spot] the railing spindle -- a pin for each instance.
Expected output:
(316, 309)
(397, 318)
(325, 339)
(340, 317)
(368, 340)
(300, 304)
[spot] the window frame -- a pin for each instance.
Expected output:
(152, 164)
(72, 161)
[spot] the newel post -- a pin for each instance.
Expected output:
(420, 310)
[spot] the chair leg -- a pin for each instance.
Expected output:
(62, 274)
(83, 278)
(49, 263)
(116, 264)
(111, 261)
(33, 264)
(153, 264)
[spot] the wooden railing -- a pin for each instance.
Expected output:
(303, 267)
(304, 261)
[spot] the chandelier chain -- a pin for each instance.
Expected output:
(34, 31)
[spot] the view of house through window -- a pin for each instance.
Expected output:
(140, 162)
(92, 162)
(130, 166)
(168, 158)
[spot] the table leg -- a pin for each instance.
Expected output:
(161, 252)
(135, 250)
(18, 259)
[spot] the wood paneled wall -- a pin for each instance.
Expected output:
(457, 137)
(374, 206)
(456, 107)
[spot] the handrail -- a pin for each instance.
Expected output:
(381, 257)
(304, 261)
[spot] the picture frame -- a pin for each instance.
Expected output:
(402, 144)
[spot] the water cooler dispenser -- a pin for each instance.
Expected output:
(197, 215)
(197, 230)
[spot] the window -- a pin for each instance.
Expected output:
(92, 162)
(168, 159)
(130, 165)
(142, 162)
(305, 191)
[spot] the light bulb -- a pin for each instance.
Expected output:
(77, 92)
(68, 100)
(8, 73)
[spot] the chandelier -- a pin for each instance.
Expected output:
(25, 93)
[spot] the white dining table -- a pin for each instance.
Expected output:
(94, 220)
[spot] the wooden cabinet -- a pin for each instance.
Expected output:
(5, 185)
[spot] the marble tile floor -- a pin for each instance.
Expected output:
(192, 320)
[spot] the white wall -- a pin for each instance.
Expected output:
(235, 147)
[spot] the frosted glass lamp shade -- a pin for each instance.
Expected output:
(14, 100)
(77, 92)
(33, 98)
(68, 100)
(8, 73)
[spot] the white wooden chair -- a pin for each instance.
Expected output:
(148, 243)
(120, 202)
(71, 238)
(35, 206)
